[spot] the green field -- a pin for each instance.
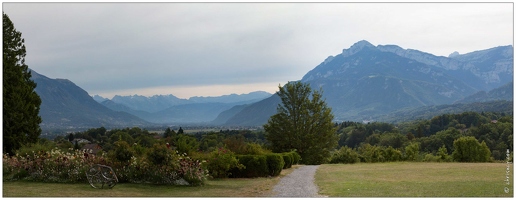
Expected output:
(405, 179)
(399, 179)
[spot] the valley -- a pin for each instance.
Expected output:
(363, 83)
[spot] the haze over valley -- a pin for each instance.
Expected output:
(362, 83)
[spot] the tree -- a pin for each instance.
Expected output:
(303, 122)
(187, 144)
(468, 149)
(71, 137)
(20, 101)
(167, 133)
(412, 151)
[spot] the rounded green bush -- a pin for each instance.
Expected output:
(288, 158)
(296, 157)
(220, 161)
(275, 163)
(254, 166)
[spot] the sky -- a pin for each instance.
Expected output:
(213, 49)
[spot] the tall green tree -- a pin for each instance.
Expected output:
(20, 101)
(468, 149)
(303, 122)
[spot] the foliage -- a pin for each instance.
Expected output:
(29, 150)
(468, 149)
(221, 161)
(49, 166)
(443, 155)
(123, 152)
(412, 151)
(187, 144)
(254, 166)
(70, 167)
(344, 155)
(296, 157)
(371, 154)
(391, 154)
(303, 122)
(160, 155)
(275, 163)
(287, 158)
(192, 171)
(21, 103)
(255, 149)
(236, 143)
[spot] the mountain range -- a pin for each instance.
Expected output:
(65, 105)
(366, 81)
(168, 109)
(363, 82)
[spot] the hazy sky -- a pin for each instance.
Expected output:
(211, 49)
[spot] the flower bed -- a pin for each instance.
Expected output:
(70, 167)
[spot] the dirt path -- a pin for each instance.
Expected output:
(299, 183)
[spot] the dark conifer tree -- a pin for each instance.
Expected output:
(20, 101)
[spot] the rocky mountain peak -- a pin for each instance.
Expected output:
(454, 54)
(357, 47)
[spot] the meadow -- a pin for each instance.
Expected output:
(415, 179)
(395, 179)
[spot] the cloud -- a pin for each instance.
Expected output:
(112, 47)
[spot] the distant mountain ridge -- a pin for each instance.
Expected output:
(157, 103)
(367, 80)
(505, 92)
(167, 109)
(64, 105)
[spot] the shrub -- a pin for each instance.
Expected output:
(370, 154)
(392, 154)
(468, 149)
(275, 163)
(192, 171)
(187, 144)
(160, 155)
(287, 158)
(221, 161)
(431, 158)
(296, 156)
(122, 152)
(70, 167)
(412, 151)
(344, 155)
(53, 166)
(34, 149)
(443, 154)
(254, 166)
(254, 149)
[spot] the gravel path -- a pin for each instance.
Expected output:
(299, 183)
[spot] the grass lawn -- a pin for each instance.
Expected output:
(411, 179)
(242, 187)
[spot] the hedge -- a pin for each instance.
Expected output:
(275, 162)
(288, 158)
(265, 165)
(296, 156)
(255, 166)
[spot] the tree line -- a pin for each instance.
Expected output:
(434, 136)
